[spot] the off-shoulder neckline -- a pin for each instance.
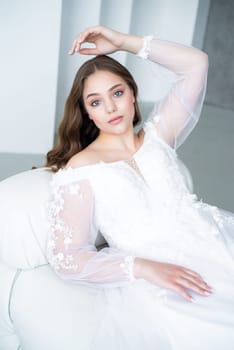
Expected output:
(146, 129)
(102, 162)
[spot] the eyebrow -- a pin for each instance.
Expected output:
(96, 93)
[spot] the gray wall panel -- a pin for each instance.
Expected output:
(219, 44)
(208, 154)
(12, 163)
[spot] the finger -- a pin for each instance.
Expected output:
(88, 51)
(195, 287)
(181, 291)
(75, 46)
(77, 42)
(200, 282)
(72, 49)
(195, 275)
(191, 272)
(196, 278)
(87, 35)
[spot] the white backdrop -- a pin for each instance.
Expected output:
(29, 37)
(36, 71)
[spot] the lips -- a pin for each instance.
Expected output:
(115, 120)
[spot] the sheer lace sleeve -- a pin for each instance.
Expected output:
(70, 249)
(178, 112)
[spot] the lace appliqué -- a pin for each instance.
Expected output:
(60, 260)
(145, 50)
(127, 267)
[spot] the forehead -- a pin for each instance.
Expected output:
(101, 81)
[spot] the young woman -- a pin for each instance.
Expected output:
(166, 281)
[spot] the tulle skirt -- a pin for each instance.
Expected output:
(143, 316)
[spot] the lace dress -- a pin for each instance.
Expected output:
(144, 209)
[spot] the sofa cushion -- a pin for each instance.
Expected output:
(24, 225)
(8, 339)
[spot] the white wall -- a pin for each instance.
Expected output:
(76, 16)
(37, 72)
(29, 37)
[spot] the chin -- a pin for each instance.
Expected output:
(121, 129)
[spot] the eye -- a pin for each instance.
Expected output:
(95, 103)
(118, 93)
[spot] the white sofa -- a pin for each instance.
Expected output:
(38, 311)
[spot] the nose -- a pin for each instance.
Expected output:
(110, 105)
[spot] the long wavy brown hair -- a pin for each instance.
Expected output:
(77, 130)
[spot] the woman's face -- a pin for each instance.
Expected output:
(109, 102)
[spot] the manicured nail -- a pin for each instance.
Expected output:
(207, 293)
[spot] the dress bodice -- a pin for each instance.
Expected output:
(145, 210)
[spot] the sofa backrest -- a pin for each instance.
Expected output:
(24, 226)
(23, 218)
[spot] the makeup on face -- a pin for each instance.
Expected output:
(108, 99)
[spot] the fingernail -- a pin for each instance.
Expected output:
(207, 293)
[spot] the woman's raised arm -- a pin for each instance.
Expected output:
(178, 112)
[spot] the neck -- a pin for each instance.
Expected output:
(127, 143)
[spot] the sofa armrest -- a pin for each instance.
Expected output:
(8, 337)
(49, 313)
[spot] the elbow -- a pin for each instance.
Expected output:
(68, 273)
(63, 265)
(204, 61)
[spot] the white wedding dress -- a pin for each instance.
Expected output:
(144, 209)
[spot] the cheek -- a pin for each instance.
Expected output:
(95, 115)
(130, 104)
(92, 113)
(130, 99)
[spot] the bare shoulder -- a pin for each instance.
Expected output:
(93, 153)
(84, 157)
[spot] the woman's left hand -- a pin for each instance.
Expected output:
(105, 41)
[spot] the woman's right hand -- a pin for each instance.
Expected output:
(174, 277)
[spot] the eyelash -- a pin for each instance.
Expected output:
(118, 91)
(96, 103)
